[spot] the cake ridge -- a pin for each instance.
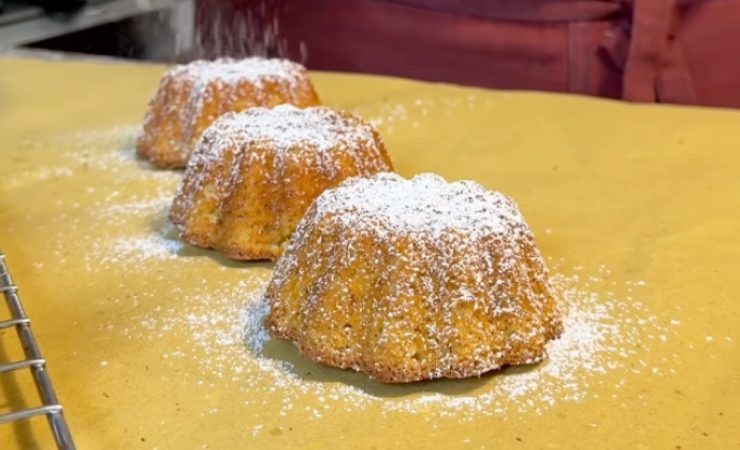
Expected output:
(254, 173)
(409, 280)
(191, 96)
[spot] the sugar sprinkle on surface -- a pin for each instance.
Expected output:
(602, 334)
(607, 328)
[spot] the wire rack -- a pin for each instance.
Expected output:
(35, 362)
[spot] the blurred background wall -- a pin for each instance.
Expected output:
(671, 51)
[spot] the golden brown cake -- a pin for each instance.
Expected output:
(411, 280)
(190, 97)
(254, 174)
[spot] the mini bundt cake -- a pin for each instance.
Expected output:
(410, 280)
(254, 174)
(190, 97)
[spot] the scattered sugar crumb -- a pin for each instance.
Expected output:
(604, 332)
(226, 326)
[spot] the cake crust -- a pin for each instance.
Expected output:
(191, 96)
(254, 174)
(410, 280)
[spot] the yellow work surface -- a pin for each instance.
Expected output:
(155, 344)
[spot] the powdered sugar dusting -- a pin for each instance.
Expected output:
(602, 334)
(254, 69)
(192, 96)
(120, 251)
(285, 146)
(607, 328)
(286, 127)
(114, 252)
(423, 253)
(79, 143)
(425, 204)
(121, 194)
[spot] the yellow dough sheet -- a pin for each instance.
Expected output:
(154, 344)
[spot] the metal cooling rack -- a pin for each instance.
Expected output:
(35, 362)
